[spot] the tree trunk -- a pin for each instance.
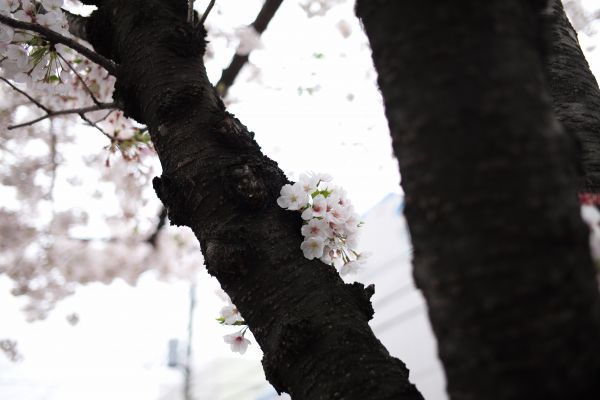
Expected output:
(500, 251)
(575, 93)
(311, 326)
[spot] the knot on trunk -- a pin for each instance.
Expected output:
(186, 40)
(173, 198)
(232, 133)
(179, 101)
(228, 254)
(245, 184)
(294, 338)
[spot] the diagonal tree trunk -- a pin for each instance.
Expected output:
(575, 93)
(500, 251)
(311, 326)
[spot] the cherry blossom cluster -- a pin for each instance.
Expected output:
(61, 78)
(330, 222)
(28, 58)
(231, 316)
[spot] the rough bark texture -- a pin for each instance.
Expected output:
(500, 251)
(575, 92)
(311, 326)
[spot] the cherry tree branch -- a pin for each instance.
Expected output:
(260, 24)
(55, 37)
(79, 111)
(95, 125)
(228, 77)
(206, 12)
(24, 93)
(104, 117)
(49, 113)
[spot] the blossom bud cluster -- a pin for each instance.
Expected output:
(330, 223)
(25, 57)
(231, 316)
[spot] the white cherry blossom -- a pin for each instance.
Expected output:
(52, 4)
(591, 216)
(316, 228)
(230, 314)
(317, 210)
(311, 180)
(312, 247)
(351, 267)
(6, 34)
(51, 19)
(9, 6)
(336, 214)
(19, 55)
(292, 197)
(27, 12)
(249, 40)
(237, 341)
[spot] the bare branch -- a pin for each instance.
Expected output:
(210, 6)
(104, 117)
(55, 37)
(34, 101)
(49, 113)
(237, 63)
(95, 125)
(79, 111)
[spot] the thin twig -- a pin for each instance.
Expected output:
(106, 116)
(55, 37)
(34, 101)
(51, 114)
(92, 123)
(190, 16)
(85, 85)
(266, 14)
(53, 161)
(203, 18)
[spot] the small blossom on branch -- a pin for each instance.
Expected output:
(237, 341)
(230, 315)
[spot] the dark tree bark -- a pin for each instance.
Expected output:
(575, 93)
(311, 326)
(500, 251)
